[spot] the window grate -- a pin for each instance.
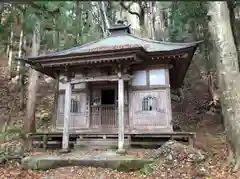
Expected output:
(149, 103)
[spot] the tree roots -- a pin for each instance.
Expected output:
(237, 164)
(233, 162)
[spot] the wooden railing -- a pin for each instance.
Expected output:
(101, 116)
(106, 116)
(77, 121)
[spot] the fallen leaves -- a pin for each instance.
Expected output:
(14, 172)
(211, 169)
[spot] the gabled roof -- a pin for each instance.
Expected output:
(120, 47)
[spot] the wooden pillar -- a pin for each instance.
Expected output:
(88, 104)
(67, 106)
(56, 98)
(120, 113)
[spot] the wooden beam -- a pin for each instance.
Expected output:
(101, 78)
(120, 112)
(67, 106)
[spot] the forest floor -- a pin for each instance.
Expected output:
(210, 138)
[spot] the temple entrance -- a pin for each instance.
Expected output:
(108, 107)
(108, 97)
(104, 107)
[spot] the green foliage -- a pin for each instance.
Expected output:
(45, 116)
(148, 169)
(11, 133)
(185, 16)
(190, 11)
(65, 24)
(59, 24)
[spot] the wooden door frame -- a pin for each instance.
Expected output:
(109, 85)
(102, 118)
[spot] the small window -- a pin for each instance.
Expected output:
(149, 103)
(75, 106)
(139, 78)
(157, 77)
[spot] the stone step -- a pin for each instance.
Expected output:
(103, 160)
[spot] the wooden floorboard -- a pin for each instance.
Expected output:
(101, 133)
(46, 139)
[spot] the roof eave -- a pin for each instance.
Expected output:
(116, 56)
(87, 53)
(178, 73)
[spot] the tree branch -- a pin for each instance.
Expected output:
(127, 8)
(44, 8)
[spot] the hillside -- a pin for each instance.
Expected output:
(188, 115)
(10, 97)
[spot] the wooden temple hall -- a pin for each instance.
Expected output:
(118, 85)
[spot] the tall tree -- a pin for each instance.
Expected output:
(10, 43)
(228, 74)
(104, 18)
(231, 6)
(20, 65)
(29, 123)
(137, 9)
(79, 22)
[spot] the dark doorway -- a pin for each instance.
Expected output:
(108, 96)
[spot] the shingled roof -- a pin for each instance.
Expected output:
(121, 45)
(119, 40)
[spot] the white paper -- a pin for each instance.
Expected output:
(139, 78)
(157, 77)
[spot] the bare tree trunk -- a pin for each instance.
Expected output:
(54, 33)
(104, 14)
(171, 20)
(19, 33)
(20, 71)
(228, 74)
(136, 9)
(100, 19)
(233, 22)
(1, 12)
(152, 19)
(160, 22)
(20, 51)
(79, 22)
(232, 19)
(29, 123)
(105, 21)
(103, 17)
(10, 52)
(118, 14)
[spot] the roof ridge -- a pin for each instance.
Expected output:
(149, 45)
(164, 42)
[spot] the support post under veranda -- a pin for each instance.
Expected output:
(67, 105)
